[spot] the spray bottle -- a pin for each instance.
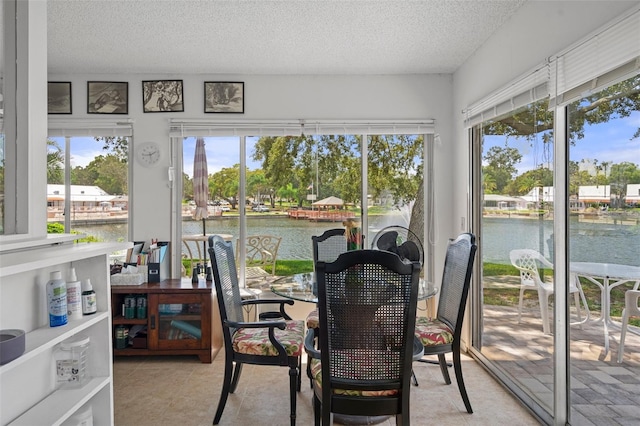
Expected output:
(74, 296)
(89, 304)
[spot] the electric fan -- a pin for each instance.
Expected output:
(400, 240)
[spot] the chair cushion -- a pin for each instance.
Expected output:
(313, 319)
(433, 332)
(255, 341)
(316, 374)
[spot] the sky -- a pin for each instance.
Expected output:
(609, 142)
(603, 142)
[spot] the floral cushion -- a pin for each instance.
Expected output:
(316, 374)
(255, 341)
(433, 332)
(313, 319)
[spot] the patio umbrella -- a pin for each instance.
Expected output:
(200, 185)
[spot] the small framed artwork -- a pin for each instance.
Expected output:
(224, 97)
(162, 96)
(59, 97)
(107, 97)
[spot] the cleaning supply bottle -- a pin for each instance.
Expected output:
(57, 300)
(74, 296)
(89, 303)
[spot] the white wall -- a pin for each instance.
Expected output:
(271, 97)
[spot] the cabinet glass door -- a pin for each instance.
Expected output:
(179, 321)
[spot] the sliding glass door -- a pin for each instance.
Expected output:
(295, 187)
(517, 218)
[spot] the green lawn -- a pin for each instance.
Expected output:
(498, 296)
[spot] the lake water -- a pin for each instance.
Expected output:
(589, 242)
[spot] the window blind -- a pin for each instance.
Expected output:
(530, 87)
(94, 128)
(609, 55)
(184, 128)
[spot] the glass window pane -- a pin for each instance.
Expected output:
(98, 190)
(604, 245)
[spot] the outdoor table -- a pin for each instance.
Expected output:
(612, 275)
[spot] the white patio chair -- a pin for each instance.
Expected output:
(631, 308)
(528, 261)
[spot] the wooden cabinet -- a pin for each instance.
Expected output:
(29, 395)
(181, 319)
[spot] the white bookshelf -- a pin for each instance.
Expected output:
(28, 394)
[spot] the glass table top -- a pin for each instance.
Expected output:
(301, 287)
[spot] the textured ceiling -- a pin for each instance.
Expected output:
(269, 37)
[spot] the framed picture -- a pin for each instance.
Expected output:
(162, 96)
(224, 97)
(59, 97)
(107, 97)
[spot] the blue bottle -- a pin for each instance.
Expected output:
(57, 300)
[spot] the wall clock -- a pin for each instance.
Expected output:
(148, 154)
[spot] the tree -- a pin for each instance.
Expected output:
(332, 164)
(621, 175)
(117, 146)
(257, 185)
(106, 171)
(536, 178)
(287, 193)
(501, 165)
(55, 163)
(616, 101)
(225, 184)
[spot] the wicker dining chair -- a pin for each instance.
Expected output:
(442, 334)
(326, 248)
(367, 311)
(260, 343)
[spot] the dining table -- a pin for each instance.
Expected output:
(302, 287)
(607, 276)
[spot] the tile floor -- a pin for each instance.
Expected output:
(182, 391)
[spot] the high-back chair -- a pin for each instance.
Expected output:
(631, 308)
(326, 248)
(528, 262)
(442, 334)
(329, 245)
(261, 343)
(367, 304)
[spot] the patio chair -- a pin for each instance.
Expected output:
(441, 335)
(527, 261)
(367, 304)
(261, 343)
(631, 308)
(261, 255)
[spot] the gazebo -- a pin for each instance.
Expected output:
(329, 202)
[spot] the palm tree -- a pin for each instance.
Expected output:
(55, 163)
